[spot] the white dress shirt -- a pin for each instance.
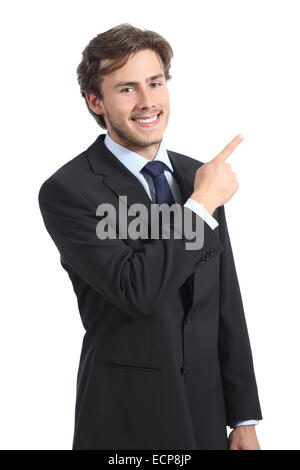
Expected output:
(134, 163)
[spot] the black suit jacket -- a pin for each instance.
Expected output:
(161, 366)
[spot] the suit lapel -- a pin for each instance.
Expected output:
(184, 173)
(116, 176)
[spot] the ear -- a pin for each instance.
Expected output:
(95, 103)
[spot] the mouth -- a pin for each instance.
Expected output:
(150, 121)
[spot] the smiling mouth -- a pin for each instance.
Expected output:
(150, 121)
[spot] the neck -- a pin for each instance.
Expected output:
(149, 153)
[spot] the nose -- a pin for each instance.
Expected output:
(145, 99)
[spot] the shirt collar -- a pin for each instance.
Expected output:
(132, 160)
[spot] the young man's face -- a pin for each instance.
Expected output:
(121, 104)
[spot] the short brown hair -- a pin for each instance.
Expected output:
(117, 44)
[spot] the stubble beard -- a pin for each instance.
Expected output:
(129, 139)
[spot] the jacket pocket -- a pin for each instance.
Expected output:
(126, 341)
(128, 365)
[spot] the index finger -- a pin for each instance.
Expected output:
(229, 148)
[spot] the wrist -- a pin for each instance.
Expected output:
(246, 428)
(201, 199)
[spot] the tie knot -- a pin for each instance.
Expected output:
(155, 168)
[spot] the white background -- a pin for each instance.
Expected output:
(235, 70)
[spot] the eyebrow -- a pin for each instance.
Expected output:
(149, 79)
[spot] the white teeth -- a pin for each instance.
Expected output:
(147, 120)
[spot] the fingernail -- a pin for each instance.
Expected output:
(241, 136)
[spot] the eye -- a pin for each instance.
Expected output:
(124, 89)
(128, 88)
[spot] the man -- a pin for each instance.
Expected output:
(166, 361)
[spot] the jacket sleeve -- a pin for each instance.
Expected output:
(135, 281)
(237, 370)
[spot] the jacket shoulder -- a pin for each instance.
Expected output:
(71, 174)
(190, 161)
(70, 169)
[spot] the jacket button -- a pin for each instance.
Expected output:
(183, 370)
(187, 321)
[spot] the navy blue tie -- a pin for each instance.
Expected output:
(163, 191)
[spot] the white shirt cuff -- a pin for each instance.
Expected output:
(202, 212)
(245, 423)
